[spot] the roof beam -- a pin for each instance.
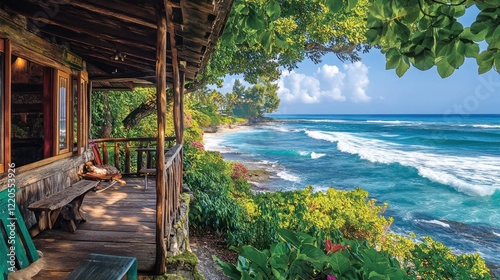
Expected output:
(93, 42)
(112, 12)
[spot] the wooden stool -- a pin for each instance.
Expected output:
(146, 172)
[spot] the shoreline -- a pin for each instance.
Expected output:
(256, 176)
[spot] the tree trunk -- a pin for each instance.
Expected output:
(147, 108)
(107, 126)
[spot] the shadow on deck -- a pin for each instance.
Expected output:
(120, 221)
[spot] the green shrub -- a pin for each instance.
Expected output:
(301, 256)
(348, 211)
(432, 260)
(214, 206)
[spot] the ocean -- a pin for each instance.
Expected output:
(440, 174)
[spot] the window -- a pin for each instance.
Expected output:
(63, 112)
(27, 117)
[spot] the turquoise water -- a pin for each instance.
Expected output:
(439, 174)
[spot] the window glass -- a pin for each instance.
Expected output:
(63, 98)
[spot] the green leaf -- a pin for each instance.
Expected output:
(497, 61)
(412, 14)
(467, 34)
(265, 40)
(340, 263)
(289, 237)
(228, 269)
(280, 41)
(376, 276)
(245, 275)
(311, 253)
(444, 68)
(351, 4)
(281, 249)
(253, 21)
(256, 257)
(402, 31)
(273, 10)
(278, 263)
(372, 35)
(402, 67)
(241, 9)
(424, 60)
(471, 50)
(392, 58)
(478, 27)
(334, 5)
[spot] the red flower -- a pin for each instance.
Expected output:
(332, 248)
(197, 145)
(239, 171)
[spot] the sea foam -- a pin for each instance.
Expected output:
(470, 175)
(435, 222)
(288, 176)
(485, 126)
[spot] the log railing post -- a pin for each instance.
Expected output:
(117, 155)
(161, 99)
(127, 157)
(105, 155)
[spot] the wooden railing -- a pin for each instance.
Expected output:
(173, 186)
(129, 155)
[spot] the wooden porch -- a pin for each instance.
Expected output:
(120, 221)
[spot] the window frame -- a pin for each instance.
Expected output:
(3, 90)
(67, 110)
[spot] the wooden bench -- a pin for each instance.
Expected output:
(68, 202)
(146, 172)
(105, 267)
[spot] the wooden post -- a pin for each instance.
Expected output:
(7, 105)
(161, 99)
(176, 76)
(89, 111)
(182, 81)
(79, 114)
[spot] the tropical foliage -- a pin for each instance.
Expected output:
(430, 33)
(263, 35)
(301, 256)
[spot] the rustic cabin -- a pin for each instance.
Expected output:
(54, 55)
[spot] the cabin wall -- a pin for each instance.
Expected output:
(40, 182)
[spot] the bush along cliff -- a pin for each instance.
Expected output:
(305, 234)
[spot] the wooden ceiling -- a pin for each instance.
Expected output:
(98, 30)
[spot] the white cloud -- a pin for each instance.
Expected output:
(327, 84)
(357, 81)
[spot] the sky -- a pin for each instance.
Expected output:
(366, 87)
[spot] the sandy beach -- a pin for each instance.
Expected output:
(257, 176)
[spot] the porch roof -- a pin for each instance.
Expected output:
(117, 39)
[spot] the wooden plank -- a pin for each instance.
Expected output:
(28, 44)
(161, 99)
(65, 255)
(102, 236)
(104, 225)
(64, 197)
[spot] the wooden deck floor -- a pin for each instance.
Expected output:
(120, 221)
